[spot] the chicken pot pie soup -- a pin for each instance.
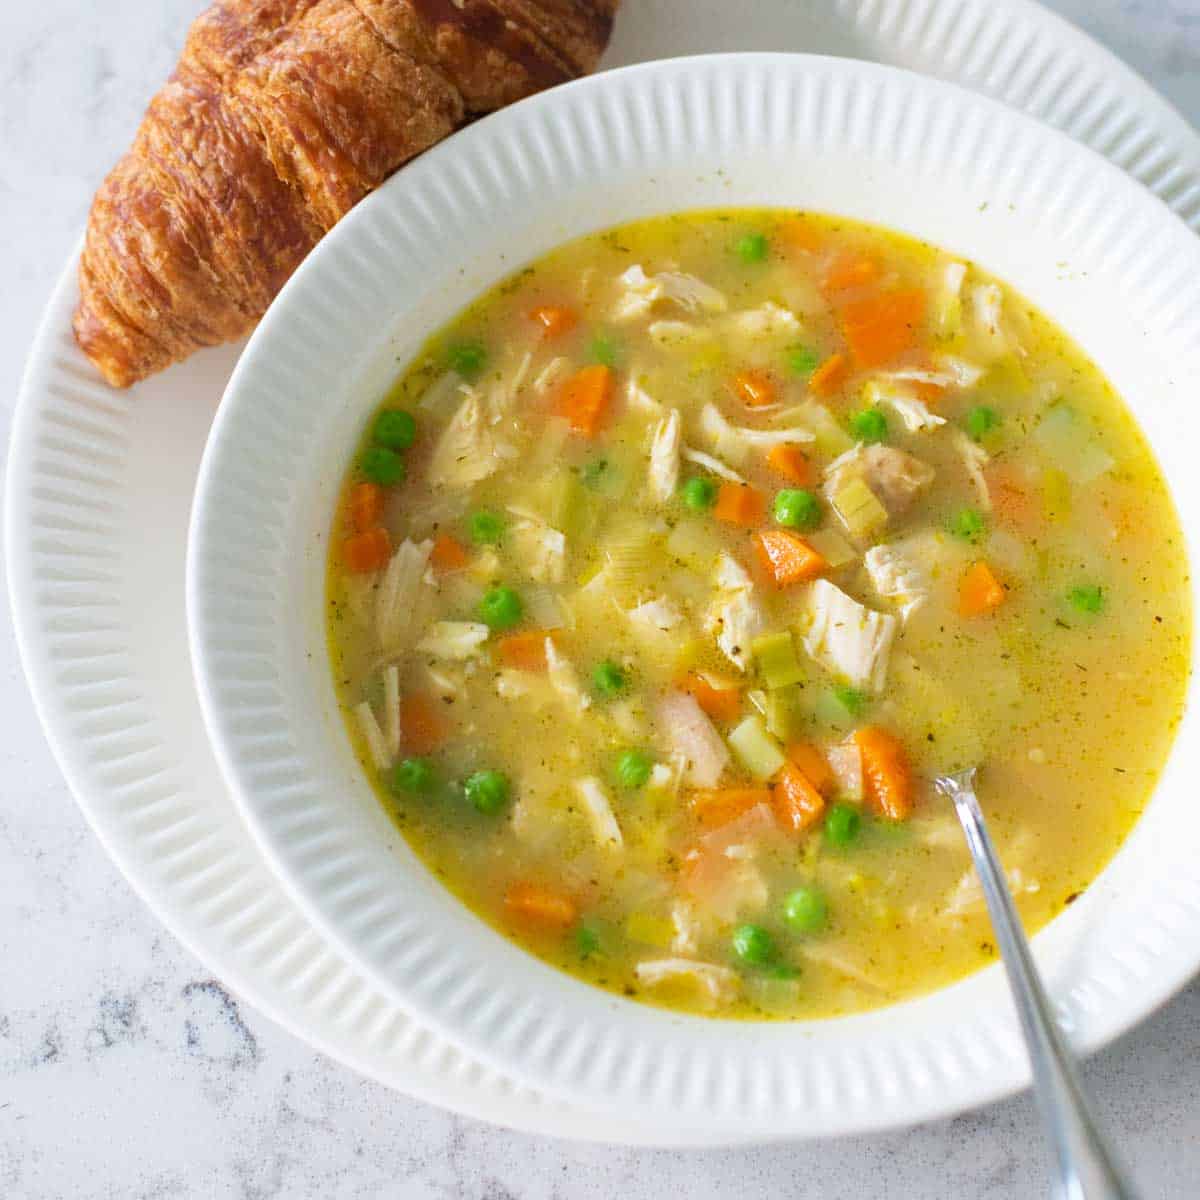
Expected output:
(668, 575)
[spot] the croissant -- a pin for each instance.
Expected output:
(280, 116)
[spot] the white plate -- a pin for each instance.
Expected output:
(112, 682)
(1066, 228)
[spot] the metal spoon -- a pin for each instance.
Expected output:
(1087, 1169)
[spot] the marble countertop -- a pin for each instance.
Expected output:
(127, 1071)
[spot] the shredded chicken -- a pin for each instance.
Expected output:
(679, 335)
(664, 457)
(656, 617)
(720, 985)
(396, 601)
(845, 761)
(637, 397)
(468, 450)
(690, 734)
(687, 928)
(975, 458)
(564, 680)
(736, 617)
(896, 577)
(391, 708)
(599, 809)
(712, 464)
(914, 414)
(735, 441)
(541, 549)
(769, 320)
(453, 641)
(848, 639)
(372, 735)
(641, 292)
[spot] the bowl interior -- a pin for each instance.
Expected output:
(1068, 232)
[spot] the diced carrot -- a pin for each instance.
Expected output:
(753, 388)
(796, 803)
(740, 504)
(585, 399)
(423, 726)
(880, 328)
(851, 271)
(525, 651)
(719, 806)
(815, 766)
(722, 704)
(792, 463)
(541, 905)
(366, 506)
(367, 551)
(798, 235)
(554, 319)
(829, 376)
(979, 591)
(786, 558)
(448, 554)
(887, 777)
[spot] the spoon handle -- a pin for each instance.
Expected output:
(1086, 1168)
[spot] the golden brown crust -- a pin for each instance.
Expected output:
(281, 115)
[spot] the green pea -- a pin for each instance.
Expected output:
(803, 360)
(1087, 598)
(467, 358)
(981, 420)
(487, 791)
(751, 248)
(486, 527)
(500, 608)
(967, 524)
(805, 909)
(699, 493)
(383, 466)
(852, 700)
(587, 941)
(870, 425)
(604, 350)
(633, 769)
(841, 824)
(413, 775)
(753, 945)
(608, 679)
(797, 508)
(395, 429)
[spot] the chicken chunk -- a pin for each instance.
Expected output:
(599, 810)
(736, 617)
(468, 450)
(896, 577)
(690, 734)
(895, 477)
(664, 457)
(400, 593)
(848, 639)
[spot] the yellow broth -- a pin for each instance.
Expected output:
(1060, 670)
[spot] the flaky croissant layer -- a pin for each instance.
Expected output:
(280, 116)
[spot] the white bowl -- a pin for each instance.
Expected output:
(1069, 231)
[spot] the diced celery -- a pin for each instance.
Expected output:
(775, 654)
(832, 547)
(649, 930)
(859, 508)
(830, 711)
(1070, 445)
(756, 749)
(1056, 494)
(694, 543)
(782, 711)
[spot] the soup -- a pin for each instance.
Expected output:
(667, 577)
